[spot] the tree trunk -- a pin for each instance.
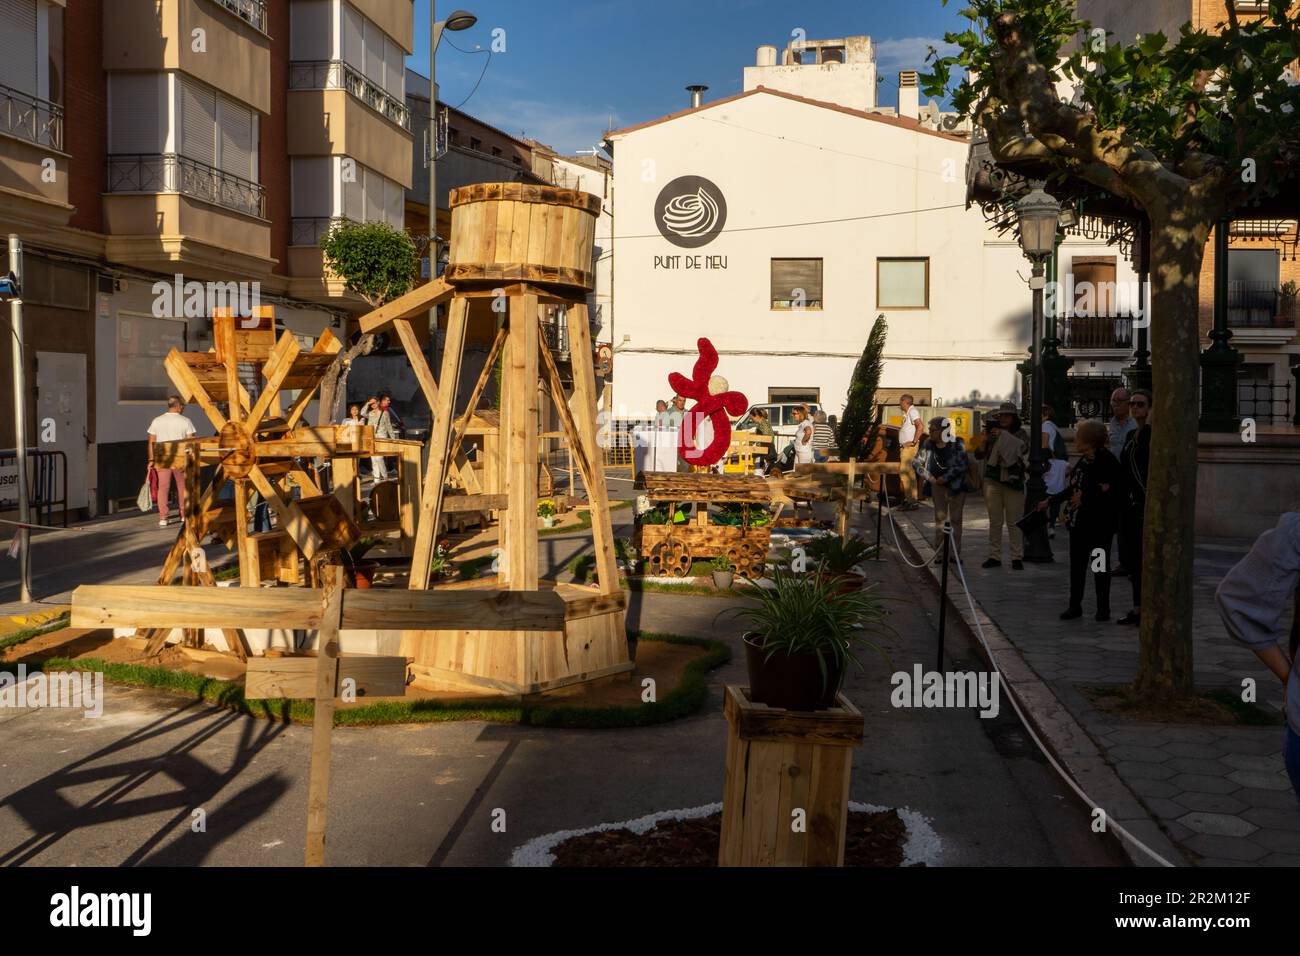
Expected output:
(1178, 238)
(334, 386)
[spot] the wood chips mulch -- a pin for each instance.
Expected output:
(874, 839)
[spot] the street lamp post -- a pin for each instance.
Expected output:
(459, 20)
(1039, 217)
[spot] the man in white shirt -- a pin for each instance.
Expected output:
(170, 426)
(910, 434)
(803, 436)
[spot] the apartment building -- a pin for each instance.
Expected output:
(210, 140)
(1263, 256)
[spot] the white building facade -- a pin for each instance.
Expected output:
(779, 226)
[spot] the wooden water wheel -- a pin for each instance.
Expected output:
(258, 444)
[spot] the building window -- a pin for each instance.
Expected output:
(373, 53)
(453, 134)
(1253, 294)
(796, 283)
(142, 344)
(902, 283)
(475, 144)
(1093, 279)
(496, 150)
(517, 161)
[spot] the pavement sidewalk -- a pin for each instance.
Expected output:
(1220, 793)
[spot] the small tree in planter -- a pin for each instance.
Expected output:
(378, 263)
(723, 573)
(804, 632)
(839, 559)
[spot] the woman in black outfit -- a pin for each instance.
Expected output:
(1090, 514)
(1133, 464)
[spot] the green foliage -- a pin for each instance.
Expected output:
(732, 515)
(656, 515)
(721, 564)
(361, 548)
(375, 261)
(583, 568)
(834, 556)
(470, 568)
(860, 423)
(1198, 104)
(684, 699)
(809, 614)
(546, 508)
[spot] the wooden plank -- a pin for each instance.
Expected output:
(411, 346)
(841, 725)
(345, 484)
(420, 299)
(190, 389)
(584, 414)
(295, 677)
(281, 359)
(145, 605)
(463, 423)
(452, 504)
(519, 407)
(292, 520)
(439, 453)
(408, 476)
(327, 665)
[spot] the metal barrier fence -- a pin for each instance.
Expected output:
(47, 483)
(1268, 403)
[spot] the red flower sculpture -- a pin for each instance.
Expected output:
(713, 405)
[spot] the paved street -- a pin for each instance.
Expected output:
(122, 789)
(1220, 792)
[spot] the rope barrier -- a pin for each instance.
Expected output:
(39, 527)
(1015, 704)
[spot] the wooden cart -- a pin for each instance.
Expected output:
(669, 549)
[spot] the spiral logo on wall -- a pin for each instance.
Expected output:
(690, 211)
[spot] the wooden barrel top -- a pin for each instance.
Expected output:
(525, 192)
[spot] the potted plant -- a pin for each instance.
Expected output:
(1287, 294)
(625, 553)
(546, 511)
(803, 633)
(836, 558)
(723, 572)
(363, 572)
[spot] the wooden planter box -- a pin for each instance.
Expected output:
(780, 762)
(670, 548)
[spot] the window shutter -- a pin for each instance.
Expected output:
(394, 203)
(374, 196)
(198, 122)
(18, 51)
(237, 150)
(903, 284)
(354, 201)
(789, 275)
(396, 70)
(134, 120)
(312, 186)
(374, 54)
(353, 37)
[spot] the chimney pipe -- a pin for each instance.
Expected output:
(697, 95)
(909, 94)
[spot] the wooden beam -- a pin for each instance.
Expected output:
(281, 361)
(439, 451)
(519, 408)
(415, 357)
(292, 520)
(145, 605)
(420, 299)
(295, 677)
(462, 423)
(452, 504)
(584, 414)
(408, 477)
(327, 673)
(191, 390)
(223, 334)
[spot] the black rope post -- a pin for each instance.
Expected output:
(943, 588)
(880, 515)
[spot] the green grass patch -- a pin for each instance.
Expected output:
(470, 568)
(686, 698)
(1209, 707)
(26, 634)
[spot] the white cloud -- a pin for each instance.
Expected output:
(563, 128)
(907, 53)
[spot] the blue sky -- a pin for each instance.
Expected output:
(571, 65)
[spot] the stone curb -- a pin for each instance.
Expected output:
(1070, 744)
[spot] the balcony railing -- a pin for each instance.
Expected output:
(556, 333)
(1096, 332)
(1259, 305)
(170, 173)
(1268, 403)
(254, 11)
(310, 230)
(337, 75)
(31, 118)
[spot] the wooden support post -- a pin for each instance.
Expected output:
(344, 475)
(408, 473)
(848, 502)
(327, 665)
(584, 412)
(778, 762)
(439, 452)
(519, 407)
(248, 572)
(423, 375)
